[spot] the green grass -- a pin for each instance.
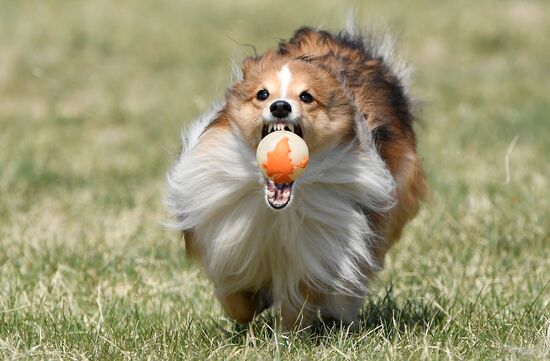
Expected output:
(92, 98)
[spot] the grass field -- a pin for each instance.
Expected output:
(92, 99)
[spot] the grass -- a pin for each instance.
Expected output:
(92, 98)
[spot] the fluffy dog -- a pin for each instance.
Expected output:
(312, 250)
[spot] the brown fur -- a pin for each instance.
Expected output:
(191, 248)
(239, 305)
(382, 102)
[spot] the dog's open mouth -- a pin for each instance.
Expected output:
(279, 195)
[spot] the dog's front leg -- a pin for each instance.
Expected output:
(242, 306)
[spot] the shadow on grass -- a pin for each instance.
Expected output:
(389, 315)
(382, 314)
(386, 315)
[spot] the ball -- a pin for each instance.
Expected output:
(282, 156)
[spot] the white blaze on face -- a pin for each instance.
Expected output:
(285, 76)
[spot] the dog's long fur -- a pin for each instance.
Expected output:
(347, 209)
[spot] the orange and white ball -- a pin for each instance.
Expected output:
(282, 156)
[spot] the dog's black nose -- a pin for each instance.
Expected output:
(280, 108)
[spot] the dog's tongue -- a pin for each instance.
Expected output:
(278, 194)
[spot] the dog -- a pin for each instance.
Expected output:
(346, 95)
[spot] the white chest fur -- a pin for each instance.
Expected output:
(323, 238)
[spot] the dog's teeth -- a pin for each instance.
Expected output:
(291, 127)
(270, 128)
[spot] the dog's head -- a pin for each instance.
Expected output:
(277, 93)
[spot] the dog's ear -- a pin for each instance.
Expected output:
(249, 64)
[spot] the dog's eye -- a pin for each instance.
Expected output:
(306, 97)
(262, 95)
